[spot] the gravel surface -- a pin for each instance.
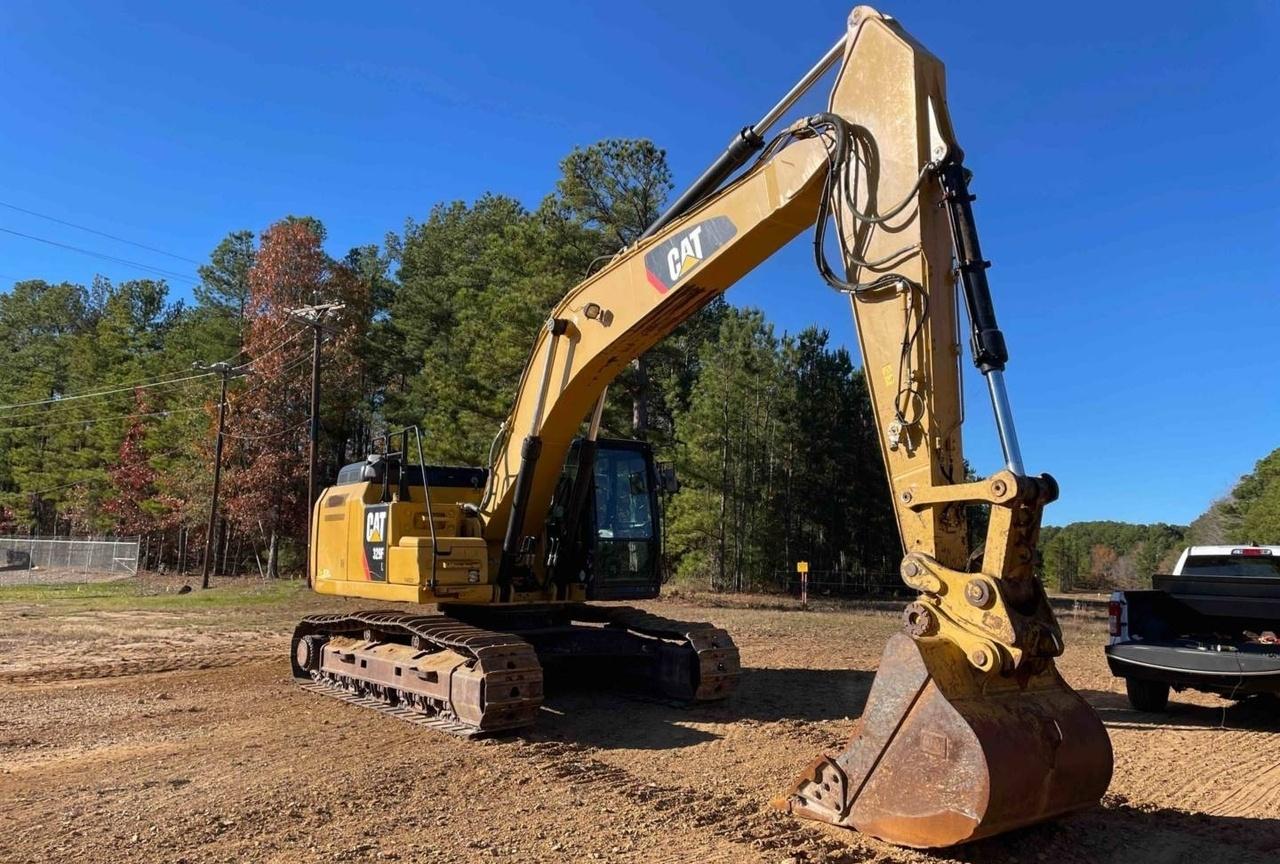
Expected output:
(175, 735)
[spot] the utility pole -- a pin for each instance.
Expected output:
(227, 371)
(314, 317)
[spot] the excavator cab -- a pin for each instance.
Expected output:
(619, 544)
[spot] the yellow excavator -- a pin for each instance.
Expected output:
(968, 729)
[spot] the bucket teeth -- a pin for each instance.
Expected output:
(945, 754)
(820, 793)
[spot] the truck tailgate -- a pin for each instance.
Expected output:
(1252, 669)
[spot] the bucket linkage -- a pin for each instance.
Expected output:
(968, 730)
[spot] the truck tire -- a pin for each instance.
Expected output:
(1147, 695)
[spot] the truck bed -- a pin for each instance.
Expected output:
(1189, 631)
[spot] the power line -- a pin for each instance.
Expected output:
(50, 416)
(166, 378)
(90, 420)
(63, 486)
(145, 383)
(234, 400)
(54, 412)
(269, 351)
(109, 399)
(288, 366)
(172, 274)
(100, 393)
(100, 233)
(223, 404)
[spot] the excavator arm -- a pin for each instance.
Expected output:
(969, 730)
(882, 164)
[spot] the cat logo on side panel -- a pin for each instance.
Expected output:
(375, 524)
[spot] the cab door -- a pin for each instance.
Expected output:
(625, 564)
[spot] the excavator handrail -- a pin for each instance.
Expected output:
(387, 437)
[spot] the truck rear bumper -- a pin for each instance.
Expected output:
(1232, 673)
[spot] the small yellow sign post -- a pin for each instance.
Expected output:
(802, 567)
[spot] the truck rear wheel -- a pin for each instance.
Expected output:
(1147, 695)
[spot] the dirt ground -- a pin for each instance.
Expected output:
(154, 731)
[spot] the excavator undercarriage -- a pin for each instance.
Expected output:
(473, 671)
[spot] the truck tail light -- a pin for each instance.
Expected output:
(1114, 610)
(1252, 552)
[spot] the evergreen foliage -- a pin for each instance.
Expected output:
(780, 462)
(1096, 556)
(109, 429)
(1103, 555)
(1250, 513)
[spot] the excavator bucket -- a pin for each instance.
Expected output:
(945, 753)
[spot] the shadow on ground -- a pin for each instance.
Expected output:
(769, 695)
(1121, 833)
(616, 718)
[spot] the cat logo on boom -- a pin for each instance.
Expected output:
(688, 255)
(668, 262)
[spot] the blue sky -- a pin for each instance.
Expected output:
(1125, 163)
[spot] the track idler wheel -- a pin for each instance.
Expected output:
(306, 653)
(945, 754)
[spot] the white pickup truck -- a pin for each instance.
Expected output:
(1210, 625)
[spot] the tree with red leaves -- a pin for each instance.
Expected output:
(132, 478)
(267, 446)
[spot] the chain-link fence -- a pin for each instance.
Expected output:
(27, 560)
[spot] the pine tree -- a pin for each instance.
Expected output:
(723, 518)
(616, 188)
(39, 322)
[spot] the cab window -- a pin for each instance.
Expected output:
(623, 496)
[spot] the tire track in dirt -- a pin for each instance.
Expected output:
(732, 817)
(1252, 793)
(128, 667)
(1228, 767)
(1173, 834)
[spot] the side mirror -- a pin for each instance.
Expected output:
(667, 480)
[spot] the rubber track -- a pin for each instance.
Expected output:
(437, 631)
(719, 666)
